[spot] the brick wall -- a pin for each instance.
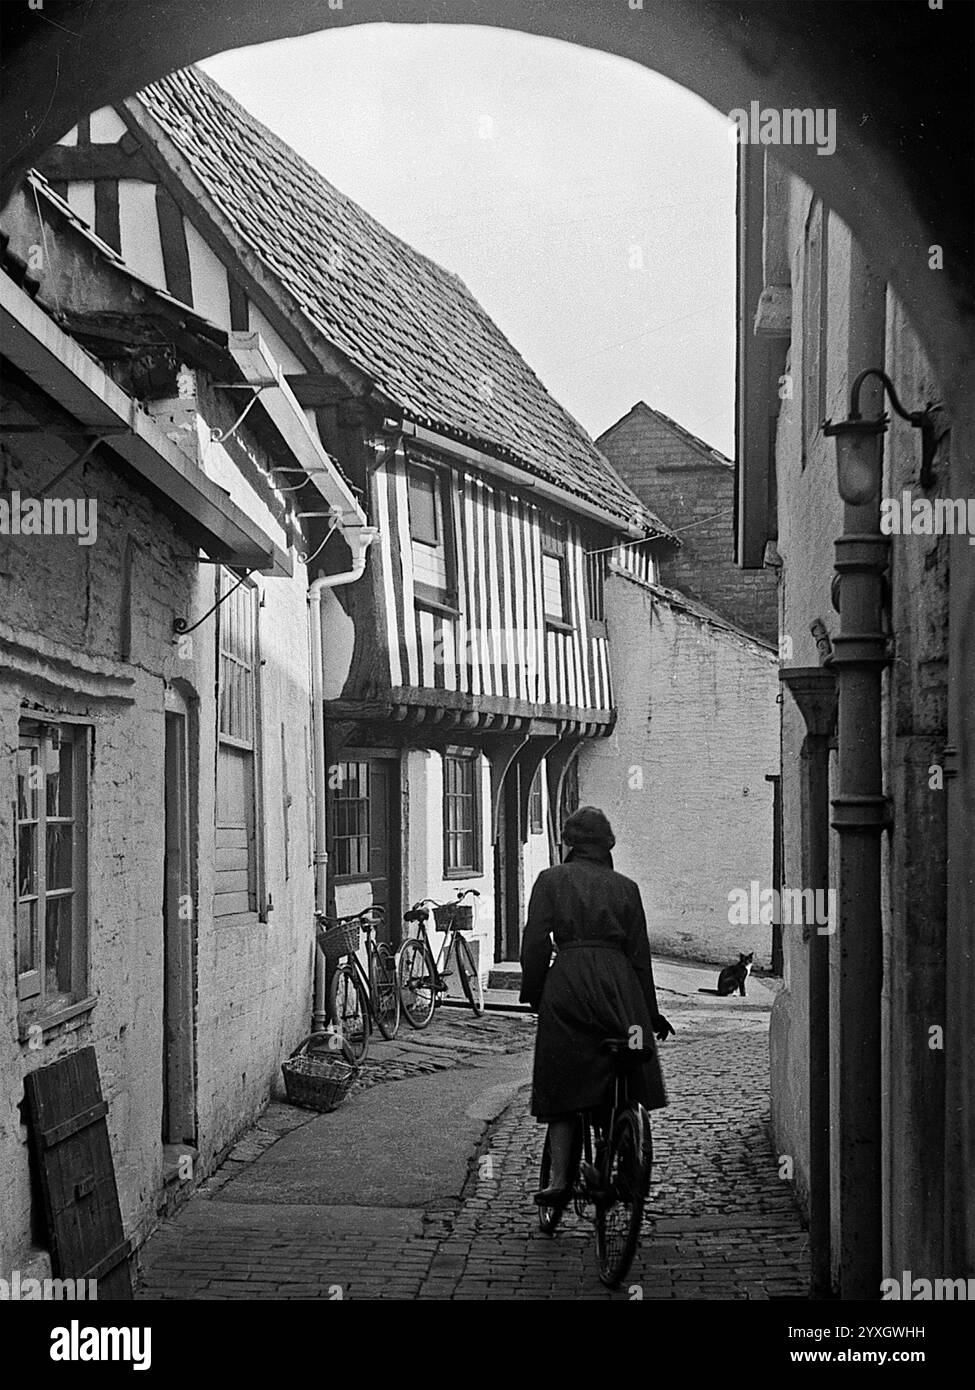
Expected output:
(692, 490)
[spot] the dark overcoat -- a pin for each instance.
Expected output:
(600, 984)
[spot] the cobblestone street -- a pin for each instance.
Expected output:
(401, 1194)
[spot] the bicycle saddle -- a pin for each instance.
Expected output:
(416, 914)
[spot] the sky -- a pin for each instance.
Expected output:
(587, 203)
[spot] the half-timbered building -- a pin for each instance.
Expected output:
(462, 675)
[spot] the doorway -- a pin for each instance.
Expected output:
(364, 836)
(509, 870)
(179, 939)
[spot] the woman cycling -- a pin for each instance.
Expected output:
(600, 986)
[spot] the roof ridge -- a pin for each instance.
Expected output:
(408, 323)
(682, 430)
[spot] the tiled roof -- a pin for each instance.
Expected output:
(408, 324)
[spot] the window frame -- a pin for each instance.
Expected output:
(365, 803)
(257, 894)
(596, 566)
(41, 1005)
(536, 803)
(468, 757)
(554, 548)
(439, 600)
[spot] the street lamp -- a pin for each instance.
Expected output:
(858, 442)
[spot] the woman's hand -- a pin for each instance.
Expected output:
(662, 1029)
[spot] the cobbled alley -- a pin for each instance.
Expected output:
(420, 1186)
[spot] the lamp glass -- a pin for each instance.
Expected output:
(858, 464)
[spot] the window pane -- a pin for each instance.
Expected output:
(59, 856)
(57, 945)
(423, 506)
(26, 937)
(28, 780)
(60, 767)
(552, 587)
(26, 860)
(460, 812)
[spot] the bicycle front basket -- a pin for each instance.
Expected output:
(461, 915)
(338, 941)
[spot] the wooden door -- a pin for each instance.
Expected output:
(76, 1176)
(364, 835)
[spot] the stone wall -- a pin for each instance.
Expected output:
(682, 777)
(65, 609)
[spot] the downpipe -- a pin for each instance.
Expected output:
(359, 538)
(860, 816)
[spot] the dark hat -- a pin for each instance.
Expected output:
(588, 826)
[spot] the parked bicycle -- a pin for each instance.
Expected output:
(610, 1174)
(358, 998)
(423, 979)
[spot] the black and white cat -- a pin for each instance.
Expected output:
(733, 977)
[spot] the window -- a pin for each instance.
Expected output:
(51, 865)
(349, 819)
(555, 593)
(569, 796)
(424, 506)
(536, 812)
(462, 812)
(237, 886)
(595, 586)
(431, 538)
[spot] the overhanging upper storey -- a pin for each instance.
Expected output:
(79, 385)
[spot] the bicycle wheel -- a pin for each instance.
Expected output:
(626, 1176)
(384, 988)
(469, 978)
(417, 982)
(347, 1011)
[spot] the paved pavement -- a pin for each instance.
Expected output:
(420, 1185)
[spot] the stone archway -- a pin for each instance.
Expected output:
(901, 176)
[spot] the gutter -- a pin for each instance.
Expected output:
(359, 539)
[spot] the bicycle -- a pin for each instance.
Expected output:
(612, 1161)
(357, 1000)
(423, 979)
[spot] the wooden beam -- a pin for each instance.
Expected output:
(107, 214)
(175, 254)
(501, 750)
(239, 313)
(531, 758)
(314, 389)
(75, 163)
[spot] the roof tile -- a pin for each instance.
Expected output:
(413, 328)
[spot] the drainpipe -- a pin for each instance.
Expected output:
(860, 816)
(359, 539)
(814, 690)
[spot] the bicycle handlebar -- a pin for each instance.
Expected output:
(462, 893)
